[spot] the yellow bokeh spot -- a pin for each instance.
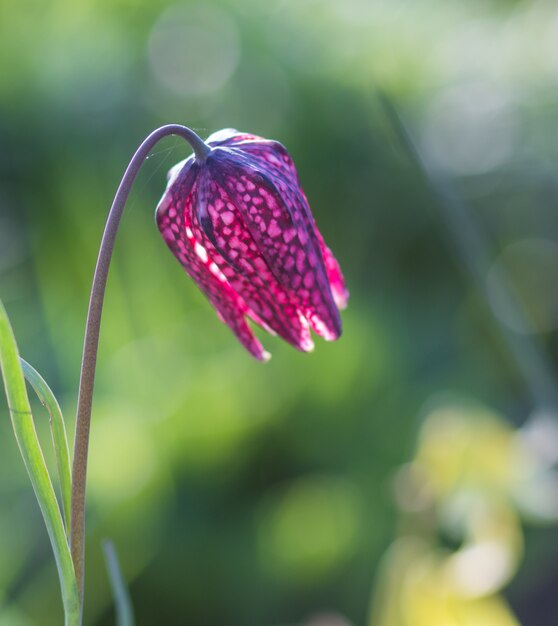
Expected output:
(310, 528)
(123, 459)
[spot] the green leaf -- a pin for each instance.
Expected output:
(123, 604)
(58, 432)
(29, 446)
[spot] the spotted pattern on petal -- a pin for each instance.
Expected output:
(336, 278)
(272, 213)
(217, 221)
(272, 157)
(275, 159)
(173, 220)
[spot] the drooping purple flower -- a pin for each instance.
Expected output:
(240, 224)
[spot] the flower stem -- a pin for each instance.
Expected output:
(91, 342)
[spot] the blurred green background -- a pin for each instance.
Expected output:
(245, 494)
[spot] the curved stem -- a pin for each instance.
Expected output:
(91, 342)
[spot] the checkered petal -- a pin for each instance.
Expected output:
(273, 158)
(174, 221)
(277, 224)
(217, 222)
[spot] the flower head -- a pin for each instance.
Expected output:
(238, 221)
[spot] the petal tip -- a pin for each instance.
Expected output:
(341, 299)
(307, 345)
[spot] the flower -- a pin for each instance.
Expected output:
(238, 221)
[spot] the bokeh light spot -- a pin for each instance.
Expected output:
(194, 50)
(482, 568)
(470, 129)
(126, 463)
(310, 528)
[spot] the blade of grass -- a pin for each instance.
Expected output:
(29, 446)
(473, 248)
(122, 602)
(58, 432)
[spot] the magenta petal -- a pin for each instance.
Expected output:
(277, 163)
(174, 224)
(336, 279)
(272, 157)
(228, 136)
(220, 227)
(276, 224)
